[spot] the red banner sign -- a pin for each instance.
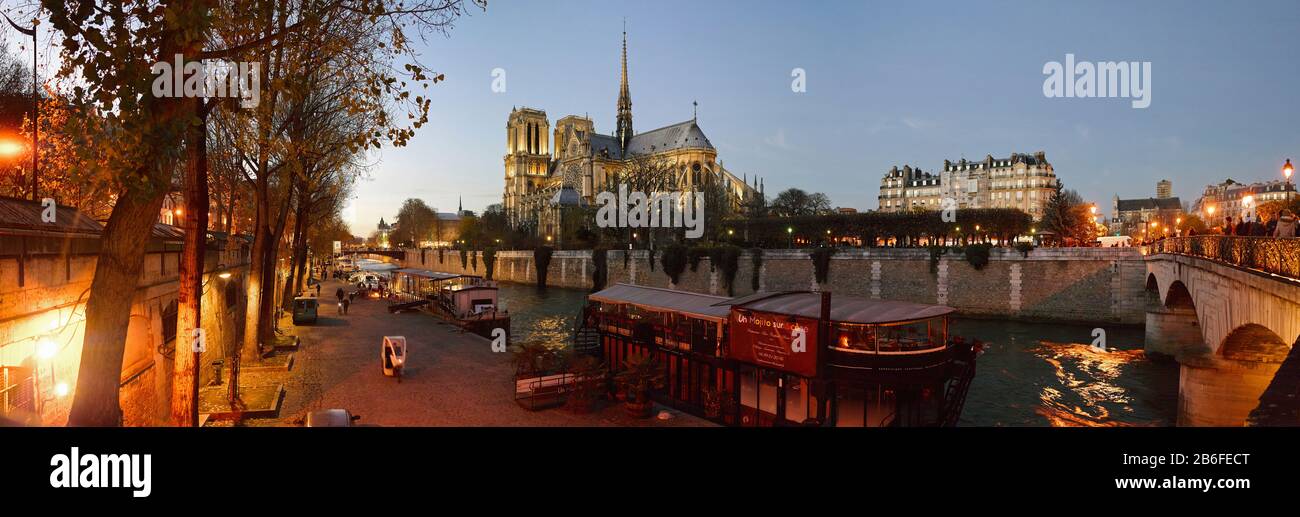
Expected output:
(774, 341)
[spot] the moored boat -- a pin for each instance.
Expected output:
(790, 358)
(468, 301)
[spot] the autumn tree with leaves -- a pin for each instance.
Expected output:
(136, 140)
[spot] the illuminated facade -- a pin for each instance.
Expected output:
(1021, 181)
(48, 268)
(541, 162)
(1235, 200)
(909, 189)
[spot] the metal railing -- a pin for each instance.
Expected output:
(1271, 255)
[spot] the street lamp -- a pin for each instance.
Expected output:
(10, 148)
(1288, 170)
(35, 106)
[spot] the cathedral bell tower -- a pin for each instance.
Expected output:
(527, 159)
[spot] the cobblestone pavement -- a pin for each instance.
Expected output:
(451, 378)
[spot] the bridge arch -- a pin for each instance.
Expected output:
(1179, 297)
(1254, 342)
(1152, 290)
(1245, 321)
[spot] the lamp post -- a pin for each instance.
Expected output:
(1288, 170)
(35, 111)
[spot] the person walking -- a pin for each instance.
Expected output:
(1286, 225)
(346, 303)
(1227, 225)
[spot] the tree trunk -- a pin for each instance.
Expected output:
(108, 310)
(253, 291)
(269, 275)
(185, 378)
(296, 280)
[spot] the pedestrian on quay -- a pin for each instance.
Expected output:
(1286, 225)
(1243, 227)
(339, 294)
(346, 303)
(318, 288)
(1227, 225)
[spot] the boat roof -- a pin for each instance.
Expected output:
(844, 309)
(664, 300)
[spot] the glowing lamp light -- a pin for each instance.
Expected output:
(1248, 200)
(1288, 169)
(789, 229)
(1155, 224)
(1209, 209)
(224, 275)
(730, 231)
(46, 347)
(61, 389)
(11, 148)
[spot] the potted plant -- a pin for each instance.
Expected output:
(588, 383)
(641, 374)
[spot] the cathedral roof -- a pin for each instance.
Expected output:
(677, 136)
(682, 135)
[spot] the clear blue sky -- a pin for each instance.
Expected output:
(888, 83)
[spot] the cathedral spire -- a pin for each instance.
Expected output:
(624, 133)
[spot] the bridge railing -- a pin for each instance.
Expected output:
(1277, 256)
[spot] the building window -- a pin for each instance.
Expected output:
(169, 316)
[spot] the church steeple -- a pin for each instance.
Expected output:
(624, 131)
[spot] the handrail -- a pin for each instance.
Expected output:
(1278, 256)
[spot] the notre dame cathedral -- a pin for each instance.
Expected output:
(549, 171)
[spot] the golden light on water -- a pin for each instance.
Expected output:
(1087, 382)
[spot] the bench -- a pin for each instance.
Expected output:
(544, 391)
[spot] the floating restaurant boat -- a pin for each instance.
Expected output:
(790, 358)
(469, 301)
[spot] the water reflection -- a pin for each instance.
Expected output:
(542, 316)
(1047, 374)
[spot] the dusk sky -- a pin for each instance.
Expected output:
(887, 84)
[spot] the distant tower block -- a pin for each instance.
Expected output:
(1164, 189)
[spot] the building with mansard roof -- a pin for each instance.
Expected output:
(1022, 181)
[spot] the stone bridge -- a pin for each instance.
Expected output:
(1228, 309)
(396, 253)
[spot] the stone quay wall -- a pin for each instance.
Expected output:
(1092, 285)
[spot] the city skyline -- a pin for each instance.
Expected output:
(886, 85)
